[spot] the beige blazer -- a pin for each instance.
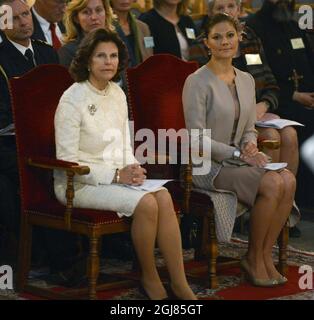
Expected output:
(143, 31)
(208, 104)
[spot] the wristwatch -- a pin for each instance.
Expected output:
(116, 178)
(236, 154)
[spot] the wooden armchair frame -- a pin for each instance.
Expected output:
(34, 101)
(140, 83)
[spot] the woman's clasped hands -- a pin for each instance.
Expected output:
(252, 156)
(132, 174)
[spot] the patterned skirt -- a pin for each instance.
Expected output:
(225, 186)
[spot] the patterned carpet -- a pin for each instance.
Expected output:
(229, 288)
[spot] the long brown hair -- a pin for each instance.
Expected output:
(72, 27)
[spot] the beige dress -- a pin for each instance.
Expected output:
(91, 128)
(209, 104)
(243, 181)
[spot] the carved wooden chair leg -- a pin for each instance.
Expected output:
(282, 242)
(80, 247)
(24, 260)
(99, 247)
(200, 252)
(93, 267)
(212, 251)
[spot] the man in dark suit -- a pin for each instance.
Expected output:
(18, 55)
(47, 19)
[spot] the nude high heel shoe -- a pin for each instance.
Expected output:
(281, 280)
(255, 281)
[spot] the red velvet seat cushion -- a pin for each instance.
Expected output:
(54, 208)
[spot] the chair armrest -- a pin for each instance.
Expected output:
(51, 164)
(71, 169)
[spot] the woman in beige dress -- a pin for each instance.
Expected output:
(222, 98)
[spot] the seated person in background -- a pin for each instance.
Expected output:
(291, 59)
(95, 107)
(172, 30)
(292, 62)
(245, 9)
(81, 17)
(18, 55)
(222, 98)
(47, 18)
(133, 32)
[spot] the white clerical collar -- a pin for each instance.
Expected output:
(45, 25)
(21, 48)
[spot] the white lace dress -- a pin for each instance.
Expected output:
(91, 128)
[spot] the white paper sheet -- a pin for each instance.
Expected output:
(7, 131)
(277, 123)
(276, 166)
(149, 185)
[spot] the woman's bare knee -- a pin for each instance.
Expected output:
(289, 138)
(147, 207)
(289, 181)
(164, 199)
(272, 186)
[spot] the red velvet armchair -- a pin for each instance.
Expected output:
(155, 99)
(35, 97)
(155, 102)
